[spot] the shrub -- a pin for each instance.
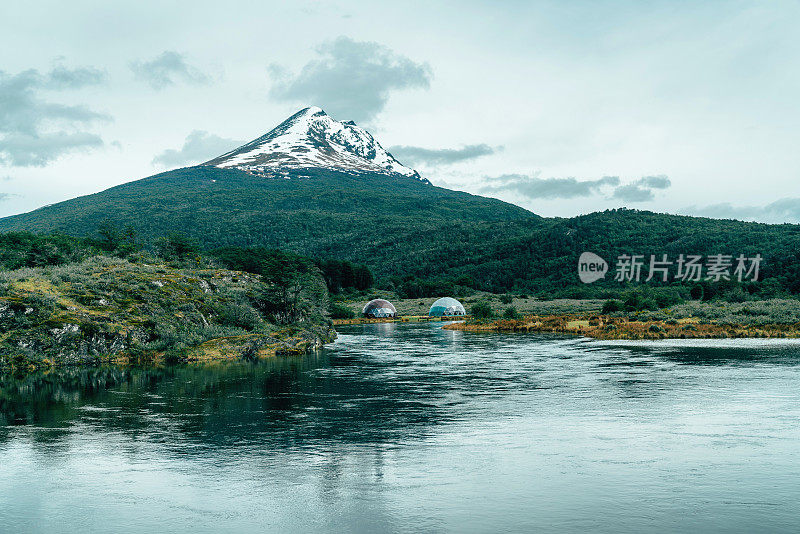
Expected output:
(511, 313)
(612, 306)
(240, 315)
(648, 304)
(340, 311)
(505, 299)
(177, 246)
(736, 294)
(482, 310)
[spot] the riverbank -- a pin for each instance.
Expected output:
(109, 310)
(401, 319)
(524, 304)
(612, 327)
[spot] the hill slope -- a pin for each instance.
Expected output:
(325, 188)
(320, 213)
(312, 185)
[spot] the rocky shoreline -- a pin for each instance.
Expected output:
(113, 311)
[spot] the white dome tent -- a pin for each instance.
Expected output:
(447, 307)
(379, 308)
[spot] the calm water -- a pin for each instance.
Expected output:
(410, 428)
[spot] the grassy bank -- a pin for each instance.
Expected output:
(525, 305)
(106, 309)
(756, 319)
(401, 319)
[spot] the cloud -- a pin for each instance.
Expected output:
(551, 188)
(350, 79)
(35, 130)
(660, 181)
(642, 189)
(780, 211)
(64, 78)
(416, 155)
(38, 150)
(199, 146)
(167, 69)
(5, 196)
(633, 193)
(548, 188)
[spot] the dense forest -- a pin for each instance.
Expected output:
(397, 234)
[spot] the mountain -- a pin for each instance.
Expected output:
(312, 185)
(327, 189)
(311, 139)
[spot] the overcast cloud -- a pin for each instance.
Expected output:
(349, 79)
(534, 187)
(199, 146)
(35, 130)
(783, 210)
(702, 92)
(167, 69)
(415, 155)
(642, 189)
(547, 188)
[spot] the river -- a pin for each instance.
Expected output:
(411, 428)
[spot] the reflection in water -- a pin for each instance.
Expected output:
(410, 427)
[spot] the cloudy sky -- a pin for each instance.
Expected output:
(560, 107)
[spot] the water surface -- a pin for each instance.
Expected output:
(410, 428)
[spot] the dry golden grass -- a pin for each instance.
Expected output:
(607, 327)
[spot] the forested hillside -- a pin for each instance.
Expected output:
(416, 239)
(316, 211)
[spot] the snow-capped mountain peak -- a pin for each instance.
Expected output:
(312, 139)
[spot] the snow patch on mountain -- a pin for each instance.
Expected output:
(312, 139)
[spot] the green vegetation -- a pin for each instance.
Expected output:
(354, 236)
(343, 275)
(415, 240)
(340, 311)
(773, 311)
(24, 249)
(80, 304)
(481, 310)
(612, 306)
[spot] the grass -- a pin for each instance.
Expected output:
(110, 310)
(524, 306)
(759, 319)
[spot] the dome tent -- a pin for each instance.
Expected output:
(446, 307)
(379, 308)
